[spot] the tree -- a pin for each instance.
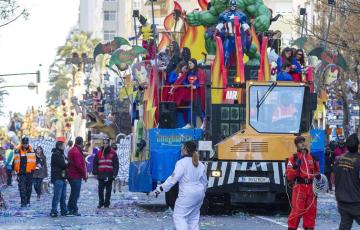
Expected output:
(343, 39)
(75, 53)
(59, 81)
(80, 43)
(10, 11)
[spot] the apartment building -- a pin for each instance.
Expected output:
(106, 19)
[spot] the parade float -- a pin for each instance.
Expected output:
(228, 103)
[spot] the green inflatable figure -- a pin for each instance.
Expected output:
(255, 10)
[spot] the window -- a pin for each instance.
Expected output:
(109, 35)
(279, 109)
(110, 15)
(136, 5)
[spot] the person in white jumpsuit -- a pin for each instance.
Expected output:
(191, 175)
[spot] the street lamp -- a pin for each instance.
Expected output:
(303, 13)
(30, 86)
(135, 15)
(331, 3)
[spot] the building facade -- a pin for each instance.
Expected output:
(106, 19)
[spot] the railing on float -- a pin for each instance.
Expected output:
(180, 107)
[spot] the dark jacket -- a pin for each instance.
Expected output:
(42, 171)
(76, 169)
(347, 178)
(329, 160)
(58, 165)
(111, 174)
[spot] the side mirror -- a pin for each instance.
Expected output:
(313, 101)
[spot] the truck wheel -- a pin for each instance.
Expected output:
(171, 195)
(205, 208)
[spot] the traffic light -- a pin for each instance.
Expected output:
(38, 76)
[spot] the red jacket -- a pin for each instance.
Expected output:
(76, 168)
(308, 169)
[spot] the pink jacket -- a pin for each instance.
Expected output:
(76, 168)
(338, 152)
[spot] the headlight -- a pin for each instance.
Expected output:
(215, 173)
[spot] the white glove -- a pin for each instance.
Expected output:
(245, 26)
(157, 191)
(220, 26)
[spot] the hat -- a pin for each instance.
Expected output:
(298, 139)
(142, 20)
(25, 140)
(60, 139)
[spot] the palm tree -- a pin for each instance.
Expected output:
(76, 52)
(79, 43)
(59, 80)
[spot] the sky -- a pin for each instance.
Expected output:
(26, 44)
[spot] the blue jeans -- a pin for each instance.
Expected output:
(59, 196)
(74, 195)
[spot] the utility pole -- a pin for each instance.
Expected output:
(154, 34)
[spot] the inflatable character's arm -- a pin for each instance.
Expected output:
(208, 17)
(261, 14)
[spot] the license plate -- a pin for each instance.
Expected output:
(254, 179)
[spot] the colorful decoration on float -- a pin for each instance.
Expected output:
(150, 102)
(120, 56)
(194, 40)
(264, 71)
(109, 47)
(240, 71)
(328, 58)
(203, 4)
(218, 74)
(255, 39)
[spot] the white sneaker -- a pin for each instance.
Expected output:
(187, 126)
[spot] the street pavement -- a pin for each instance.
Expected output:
(139, 211)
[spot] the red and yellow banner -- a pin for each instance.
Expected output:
(218, 74)
(240, 71)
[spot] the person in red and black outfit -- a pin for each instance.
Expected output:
(301, 170)
(106, 167)
(76, 172)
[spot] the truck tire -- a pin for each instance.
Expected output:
(171, 195)
(205, 207)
